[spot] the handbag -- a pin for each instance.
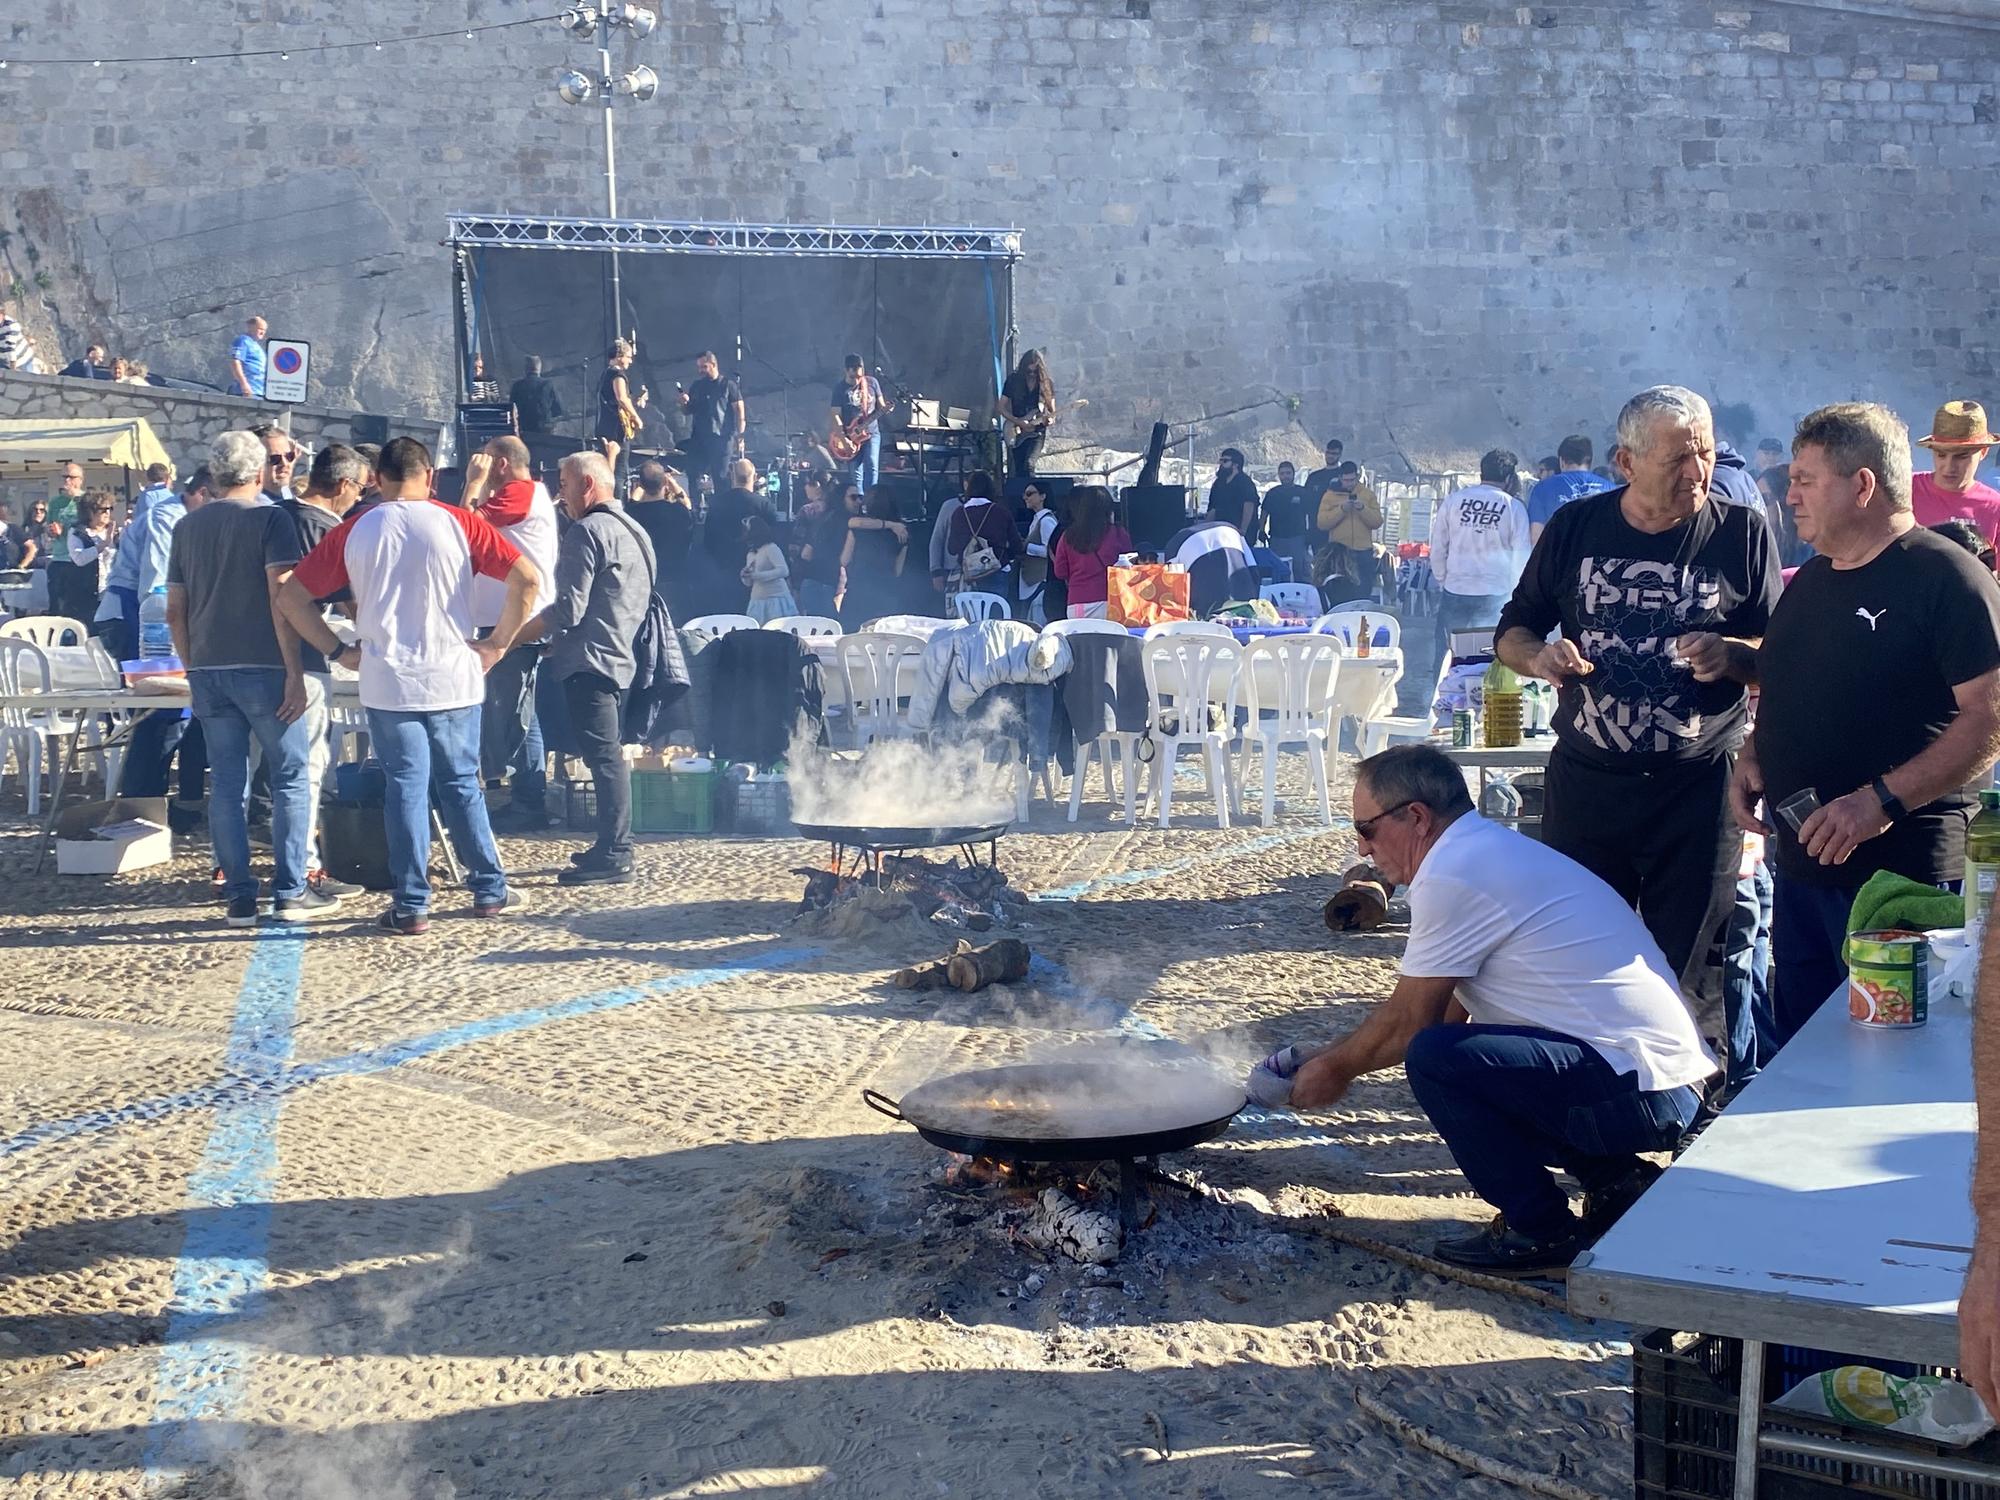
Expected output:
(978, 560)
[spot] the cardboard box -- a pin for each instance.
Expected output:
(113, 837)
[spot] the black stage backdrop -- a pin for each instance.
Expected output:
(935, 327)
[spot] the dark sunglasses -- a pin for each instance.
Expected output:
(1365, 827)
(285, 458)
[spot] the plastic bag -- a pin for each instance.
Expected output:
(1146, 594)
(1923, 1406)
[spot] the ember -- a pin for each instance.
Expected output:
(954, 893)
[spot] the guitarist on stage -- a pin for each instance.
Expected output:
(618, 419)
(1028, 403)
(855, 436)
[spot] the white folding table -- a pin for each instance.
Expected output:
(1827, 1207)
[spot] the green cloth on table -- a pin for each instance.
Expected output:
(1896, 901)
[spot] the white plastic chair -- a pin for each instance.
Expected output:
(1189, 627)
(972, 607)
(33, 735)
(806, 627)
(1289, 688)
(45, 630)
(1183, 676)
(1299, 599)
(1344, 623)
(1083, 627)
(871, 665)
(708, 627)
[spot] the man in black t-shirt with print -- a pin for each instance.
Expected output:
(1879, 693)
(1651, 584)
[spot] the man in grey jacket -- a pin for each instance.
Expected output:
(604, 578)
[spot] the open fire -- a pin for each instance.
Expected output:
(951, 892)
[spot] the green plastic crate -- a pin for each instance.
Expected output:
(673, 801)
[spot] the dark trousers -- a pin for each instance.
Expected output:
(508, 711)
(1021, 455)
(150, 752)
(710, 459)
(1512, 1102)
(1663, 839)
(593, 702)
(1746, 979)
(1808, 950)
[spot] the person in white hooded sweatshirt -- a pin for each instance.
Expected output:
(1479, 544)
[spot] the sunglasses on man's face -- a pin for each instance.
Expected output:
(284, 458)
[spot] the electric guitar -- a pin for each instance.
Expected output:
(1039, 421)
(847, 440)
(629, 418)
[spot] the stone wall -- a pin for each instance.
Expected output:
(185, 422)
(1441, 224)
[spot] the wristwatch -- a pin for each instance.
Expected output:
(1892, 805)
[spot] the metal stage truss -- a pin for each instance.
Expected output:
(666, 237)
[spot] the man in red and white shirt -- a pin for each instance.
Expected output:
(410, 563)
(501, 487)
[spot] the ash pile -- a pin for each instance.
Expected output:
(950, 893)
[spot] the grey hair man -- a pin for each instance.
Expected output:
(1572, 1048)
(227, 563)
(1660, 593)
(1880, 688)
(605, 572)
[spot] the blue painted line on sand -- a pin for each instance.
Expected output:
(1078, 890)
(389, 1055)
(223, 1261)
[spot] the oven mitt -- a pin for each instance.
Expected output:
(1270, 1082)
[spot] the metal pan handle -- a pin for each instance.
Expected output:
(882, 1104)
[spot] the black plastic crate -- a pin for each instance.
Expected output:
(1684, 1405)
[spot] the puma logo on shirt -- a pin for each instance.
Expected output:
(1871, 619)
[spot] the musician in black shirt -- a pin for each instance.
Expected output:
(536, 403)
(1028, 406)
(714, 406)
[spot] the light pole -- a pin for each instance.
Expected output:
(640, 84)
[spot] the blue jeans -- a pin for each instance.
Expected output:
(815, 597)
(1746, 979)
(1513, 1101)
(867, 467)
(235, 705)
(420, 751)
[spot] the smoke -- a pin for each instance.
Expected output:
(905, 783)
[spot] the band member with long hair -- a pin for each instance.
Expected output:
(618, 419)
(1028, 404)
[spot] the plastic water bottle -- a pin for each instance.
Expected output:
(155, 639)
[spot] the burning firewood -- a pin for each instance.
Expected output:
(973, 968)
(1059, 1222)
(1362, 902)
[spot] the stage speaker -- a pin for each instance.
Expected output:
(908, 491)
(1156, 447)
(1153, 513)
(367, 429)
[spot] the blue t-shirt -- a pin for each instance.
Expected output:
(1552, 494)
(248, 353)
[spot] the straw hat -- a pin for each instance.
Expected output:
(1959, 424)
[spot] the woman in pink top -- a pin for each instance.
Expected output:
(1089, 545)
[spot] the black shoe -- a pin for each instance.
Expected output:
(593, 858)
(403, 923)
(322, 884)
(512, 901)
(242, 912)
(308, 906)
(1498, 1250)
(1606, 1206)
(596, 874)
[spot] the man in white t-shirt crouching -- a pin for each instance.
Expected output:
(1535, 1016)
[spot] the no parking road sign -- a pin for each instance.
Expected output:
(285, 372)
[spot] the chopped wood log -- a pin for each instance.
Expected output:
(1358, 906)
(934, 975)
(997, 963)
(1059, 1222)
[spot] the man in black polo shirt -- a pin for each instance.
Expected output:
(1649, 584)
(714, 408)
(1880, 693)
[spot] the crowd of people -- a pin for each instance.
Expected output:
(243, 374)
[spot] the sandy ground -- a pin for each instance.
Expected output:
(586, 1202)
